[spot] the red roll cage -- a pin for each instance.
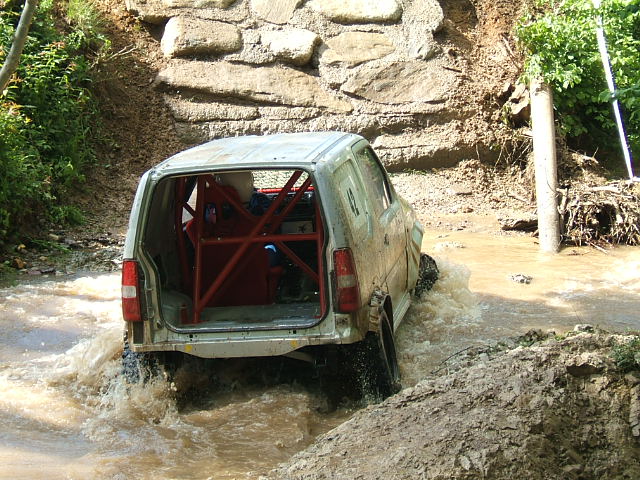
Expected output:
(263, 229)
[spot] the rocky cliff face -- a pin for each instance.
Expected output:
(424, 81)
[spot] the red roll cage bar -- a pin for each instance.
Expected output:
(263, 230)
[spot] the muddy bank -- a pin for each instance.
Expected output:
(558, 409)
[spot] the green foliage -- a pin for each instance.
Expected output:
(560, 40)
(66, 214)
(627, 355)
(47, 245)
(21, 171)
(47, 118)
(88, 25)
(7, 275)
(85, 17)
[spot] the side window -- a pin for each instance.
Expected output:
(351, 195)
(374, 177)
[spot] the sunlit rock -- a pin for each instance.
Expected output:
(275, 11)
(293, 45)
(150, 11)
(358, 11)
(356, 47)
(402, 82)
(266, 84)
(198, 3)
(157, 11)
(184, 110)
(422, 18)
(436, 146)
(192, 36)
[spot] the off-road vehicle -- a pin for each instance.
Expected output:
(288, 244)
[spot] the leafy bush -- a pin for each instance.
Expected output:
(21, 172)
(47, 118)
(88, 25)
(627, 355)
(561, 45)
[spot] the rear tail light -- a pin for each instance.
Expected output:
(347, 290)
(130, 291)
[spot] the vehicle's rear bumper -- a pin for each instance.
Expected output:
(230, 348)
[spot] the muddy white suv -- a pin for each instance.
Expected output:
(272, 245)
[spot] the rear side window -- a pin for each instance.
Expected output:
(375, 178)
(352, 197)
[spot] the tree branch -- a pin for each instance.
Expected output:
(19, 39)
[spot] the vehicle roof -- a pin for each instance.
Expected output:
(284, 149)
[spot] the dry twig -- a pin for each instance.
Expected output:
(607, 215)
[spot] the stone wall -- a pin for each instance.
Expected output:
(374, 67)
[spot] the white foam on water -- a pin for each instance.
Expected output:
(90, 361)
(441, 317)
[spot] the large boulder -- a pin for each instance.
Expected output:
(356, 47)
(293, 45)
(275, 11)
(157, 11)
(272, 119)
(192, 36)
(266, 84)
(437, 146)
(402, 82)
(422, 18)
(198, 3)
(184, 110)
(150, 11)
(358, 11)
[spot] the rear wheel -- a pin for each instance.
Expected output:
(427, 274)
(379, 373)
(141, 367)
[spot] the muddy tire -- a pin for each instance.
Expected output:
(379, 371)
(138, 367)
(428, 274)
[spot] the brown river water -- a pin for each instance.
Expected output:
(66, 413)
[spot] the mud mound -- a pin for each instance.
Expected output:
(557, 410)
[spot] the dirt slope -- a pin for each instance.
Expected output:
(557, 410)
(136, 122)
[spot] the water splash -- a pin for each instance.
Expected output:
(439, 320)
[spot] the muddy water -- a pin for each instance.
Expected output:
(477, 301)
(66, 413)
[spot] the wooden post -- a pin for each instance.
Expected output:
(544, 156)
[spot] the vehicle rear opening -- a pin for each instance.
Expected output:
(237, 250)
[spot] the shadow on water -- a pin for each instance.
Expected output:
(45, 436)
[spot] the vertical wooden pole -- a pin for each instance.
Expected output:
(544, 156)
